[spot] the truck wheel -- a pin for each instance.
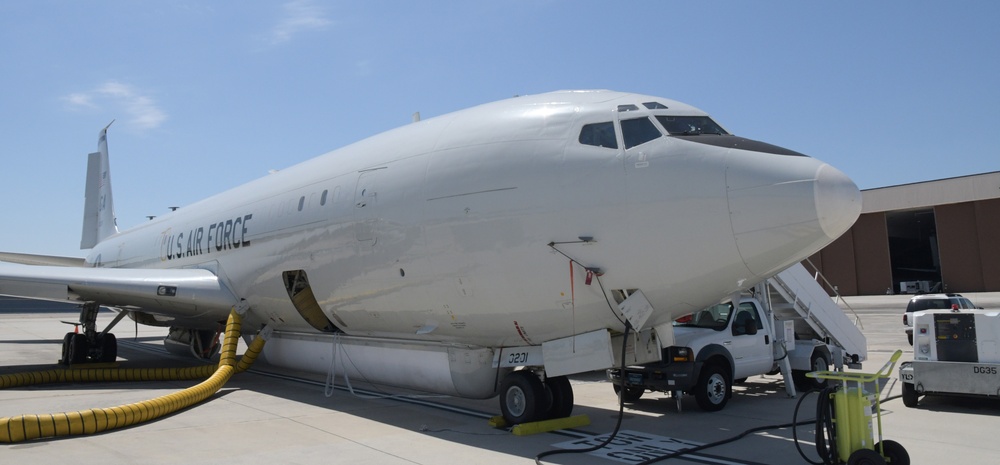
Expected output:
(818, 362)
(631, 394)
(521, 394)
(909, 337)
(894, 452)
(910, 396)
(713, 389)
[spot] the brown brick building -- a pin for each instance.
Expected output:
(939, 235)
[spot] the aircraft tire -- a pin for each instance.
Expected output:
(67, 341)
(561, 397)
(78, 348)
(714, 388)
(521, 396)
(109, 348)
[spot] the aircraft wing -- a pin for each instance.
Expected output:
(30, 259)
(194, 296)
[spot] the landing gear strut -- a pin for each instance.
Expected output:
(524, 398)
(90, 346)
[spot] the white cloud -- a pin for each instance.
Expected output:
(140, 109)
(79, 100)
(300, 16)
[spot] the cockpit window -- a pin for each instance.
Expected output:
(628, 107)
(690, 125)
(599, 134)
(638, 131)
(654, 106)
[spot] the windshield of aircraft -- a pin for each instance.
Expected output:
(690, 125)
(715, 317)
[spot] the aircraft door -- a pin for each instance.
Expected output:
(365, 206)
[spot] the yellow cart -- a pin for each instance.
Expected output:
(848, 419)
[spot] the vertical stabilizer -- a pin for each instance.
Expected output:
(99, 220)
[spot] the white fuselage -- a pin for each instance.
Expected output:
(440, 230)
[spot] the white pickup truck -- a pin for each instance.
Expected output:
(954, 353)
(711, 350)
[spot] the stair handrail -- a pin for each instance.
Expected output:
(817, 276)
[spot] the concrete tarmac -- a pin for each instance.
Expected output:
(271, 415)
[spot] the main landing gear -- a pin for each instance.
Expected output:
(525, 398)
(90, 346)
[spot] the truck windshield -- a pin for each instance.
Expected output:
(715, 317)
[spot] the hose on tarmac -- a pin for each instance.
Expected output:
(27, 427)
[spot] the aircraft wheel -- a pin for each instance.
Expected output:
(631, 394)
(865, 457)
(561, 393)
(67, 342)
(78, 348)
(894, 452)
(109, 348)
(713, 389)
(910, 396)
(521, 395)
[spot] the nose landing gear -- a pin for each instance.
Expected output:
(524, 398)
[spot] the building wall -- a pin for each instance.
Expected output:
(874, 270)
(858, 262)
(967, 216)
(988, 228)
(968, 236)
(958, 247)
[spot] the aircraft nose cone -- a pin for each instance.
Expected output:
(784, 209)
(838, 201)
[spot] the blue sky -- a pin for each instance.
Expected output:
(208, 95)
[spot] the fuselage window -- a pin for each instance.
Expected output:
(302, 202)
(599, 134)
(322, 198)
(638, 131)
(690, 125)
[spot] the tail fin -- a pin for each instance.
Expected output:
(99, 220)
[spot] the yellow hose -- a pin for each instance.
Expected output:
(27, 427)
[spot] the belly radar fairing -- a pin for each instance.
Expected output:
(511, 229)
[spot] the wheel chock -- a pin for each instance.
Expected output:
(535, 427)
(498, 422)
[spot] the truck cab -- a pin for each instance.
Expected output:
(711, 349)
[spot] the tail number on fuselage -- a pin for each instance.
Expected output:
(224, 235)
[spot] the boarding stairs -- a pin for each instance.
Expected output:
(797, 295)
